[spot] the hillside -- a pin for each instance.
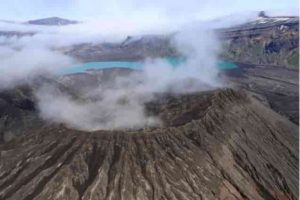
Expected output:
(268, 40)
(139, 48)
(276, 87)
(214, 145)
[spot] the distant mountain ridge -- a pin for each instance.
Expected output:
(52, 21)
(267, 40)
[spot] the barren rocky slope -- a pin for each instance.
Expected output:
(269, 41)
(18, 107)
(277, 87)
(17, 112)
(132, 48)
(214, 145)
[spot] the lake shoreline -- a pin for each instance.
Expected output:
(173, 61)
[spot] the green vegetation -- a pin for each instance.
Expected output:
(258, 49)
(293, 61)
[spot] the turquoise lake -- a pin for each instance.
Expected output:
(223, 65)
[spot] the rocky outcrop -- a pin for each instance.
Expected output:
(92, 79)
(131, 48)
(17, 112)
(213, 145)
(268, 40)
(277, 87)
(18, 106)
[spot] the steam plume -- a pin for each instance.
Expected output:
(121, 104)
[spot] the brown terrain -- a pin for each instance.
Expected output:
(267, 41)
(276, 87)
(221, 144)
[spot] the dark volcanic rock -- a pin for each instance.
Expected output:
(18, 106)
(17, 112)
(215, 145)
(130, 49)
(277, 87)
(91, 79)
(269, 41)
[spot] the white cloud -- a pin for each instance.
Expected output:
(19, 65)
(122, 106)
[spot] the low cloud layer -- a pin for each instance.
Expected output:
(121, 103)
(29, 54)
(19, 65)
(117, 109)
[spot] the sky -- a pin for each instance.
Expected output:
(151, 10)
